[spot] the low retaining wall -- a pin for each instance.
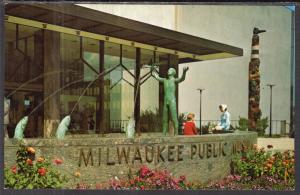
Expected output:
(200, 158)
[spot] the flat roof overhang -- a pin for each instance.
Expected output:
(97, 22)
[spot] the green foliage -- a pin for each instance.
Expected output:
(150, 121)
(261, 125)
(250, 163)
(243, 124)
(257, 162)
(31, 174)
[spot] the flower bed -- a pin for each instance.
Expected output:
(236, 182)
(254, 169)
(258, 162)
(259, 169)
(144, 179)
(31, 173)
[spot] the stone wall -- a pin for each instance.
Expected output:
(98, 158)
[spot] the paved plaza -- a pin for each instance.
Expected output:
(277, 143)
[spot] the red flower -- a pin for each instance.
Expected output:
(269, 146)
(14, 169)
(131, 181)
(42, 171)
(142, 187)
(144, 171)
(58, 161)
(29, 161)
(182, 177)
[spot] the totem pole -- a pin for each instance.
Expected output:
(254, 112)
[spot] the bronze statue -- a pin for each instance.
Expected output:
(169, 96)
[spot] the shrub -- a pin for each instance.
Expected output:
(250, 163)
(150, 121)
(261, 125)
(243, 124)
(29, 173)
(258, 169)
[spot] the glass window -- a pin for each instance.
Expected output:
(119, 83)
(150, 117)
(80, 64)
(24, 65)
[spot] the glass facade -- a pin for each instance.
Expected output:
(23, 63)
(80, 60)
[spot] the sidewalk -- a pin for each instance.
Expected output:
(277, 143)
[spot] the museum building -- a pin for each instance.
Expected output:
(54, 53)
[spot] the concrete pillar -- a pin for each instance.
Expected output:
(137, 92)
(51, 82)
(100, 113)
(38, 69)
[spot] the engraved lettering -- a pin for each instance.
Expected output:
(108, 162)
(223, 149)
(159, 154)
(137, 155)
(99, 156)
(208, 150)
(86, 159)
(123, 154)
(171, 153)
(201, 153)
(214, 151)
(193, 150)
(149, 160)
(179, 152)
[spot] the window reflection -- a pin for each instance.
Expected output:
(80, 62)
(23, 63)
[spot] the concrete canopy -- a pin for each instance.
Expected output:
(84, 19)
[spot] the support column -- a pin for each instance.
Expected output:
(51, 82)
(100, 114)
(137, 92)
(37, 70)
